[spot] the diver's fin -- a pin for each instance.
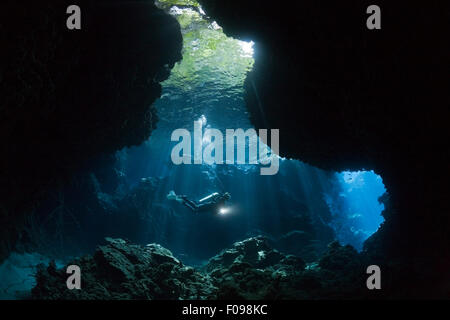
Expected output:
(172, 196)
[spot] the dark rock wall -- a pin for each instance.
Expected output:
(68, 98)
(345, 97)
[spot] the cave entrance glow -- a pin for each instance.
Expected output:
(356, 206)
(300, 209)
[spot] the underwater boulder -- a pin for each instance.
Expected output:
(252, 269)
(253, 251)
(299, 243)
(293, 261)
(124, 271)
(160, 255)
(114, 260)
(339, 257)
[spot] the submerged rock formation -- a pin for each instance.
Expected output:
(71, 96)
(121, 270)
(250, 269)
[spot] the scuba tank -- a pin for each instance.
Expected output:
(208, 198)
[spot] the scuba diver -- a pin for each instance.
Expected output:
(215, 202)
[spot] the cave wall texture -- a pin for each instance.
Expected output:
(68, 99)
(342, 96)
(345, 97)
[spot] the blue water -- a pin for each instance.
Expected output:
(302, 207)
(17, 274)
(355, 206)
(338, 206)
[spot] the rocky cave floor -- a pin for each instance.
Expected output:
(250, 269)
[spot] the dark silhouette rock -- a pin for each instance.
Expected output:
(122, 270)
(71, 97)
(348, 98)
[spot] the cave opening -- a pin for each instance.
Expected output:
(301, 209)
(356, 204)
(89, 178)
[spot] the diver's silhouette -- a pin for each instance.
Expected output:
(215, 202)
